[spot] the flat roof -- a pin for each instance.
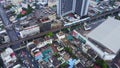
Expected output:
(108, 34)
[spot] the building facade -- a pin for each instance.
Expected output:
(64, 7)
(79, 7)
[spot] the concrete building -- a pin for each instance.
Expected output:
(16, 2)
(107, 38)
(28, 31)
(79, 7)
(8, 57)
(42, 2)
(64, 7)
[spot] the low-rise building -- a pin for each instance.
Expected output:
(107, 38)
(8, 57)
(28, 31)
(60, 35)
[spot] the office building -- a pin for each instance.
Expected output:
(64, 7)
(79, 7)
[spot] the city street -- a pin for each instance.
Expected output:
(26, 58)
(96, 23)
(11, 32)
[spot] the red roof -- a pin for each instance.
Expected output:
(95, 66)
(23, 12)
(37, 54)
(12, 54)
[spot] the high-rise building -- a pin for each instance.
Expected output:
(64, 7)
(79, 7)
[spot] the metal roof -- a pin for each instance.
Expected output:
(108, 34)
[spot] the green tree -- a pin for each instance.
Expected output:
(64, 65)
(69, 50)
(101, 63)
(50, 34)
(56, 54)
(19, 15)
(65, 30)
(29, 10)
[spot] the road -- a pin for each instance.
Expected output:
(105, 13)
(11, 32)
(24, 55)
(53, 30)
(95, 24)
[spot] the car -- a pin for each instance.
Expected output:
(102, 7)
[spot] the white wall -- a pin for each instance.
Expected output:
(29, 31)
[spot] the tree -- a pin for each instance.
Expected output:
(19, 15)
(65, 30)
(29, 10)
(50, 34)
(56, 54)
(101, 63)
(64, 65)
(69, 50)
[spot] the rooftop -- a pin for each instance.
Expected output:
(107, 34)
(8, 57)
